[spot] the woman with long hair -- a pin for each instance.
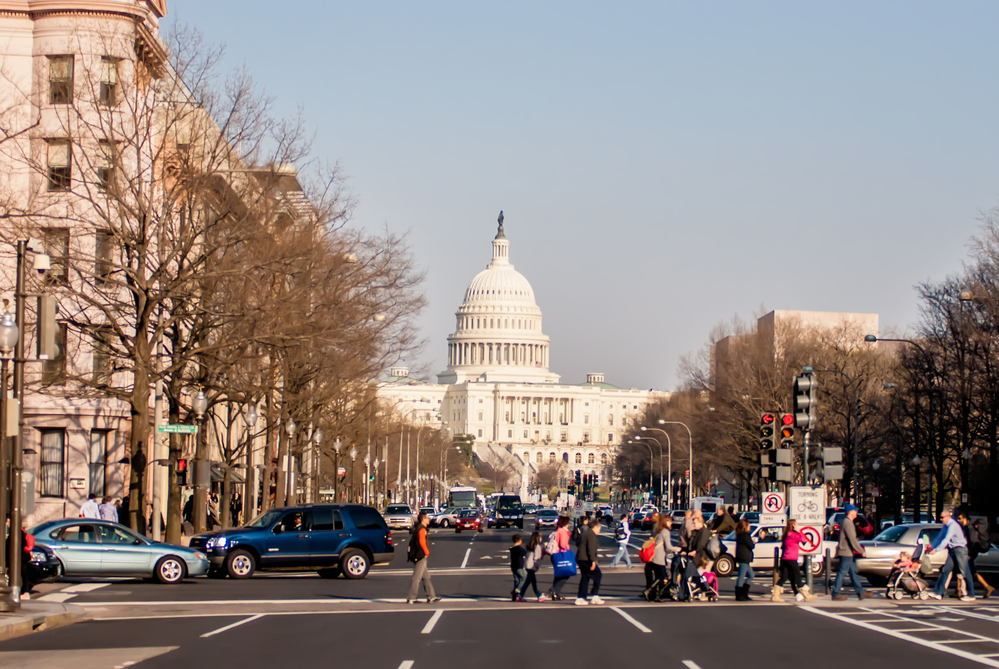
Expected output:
(744, 559)
(562, 537)
(790, 541)
(535, 552)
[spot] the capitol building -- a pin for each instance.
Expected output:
(498, 387)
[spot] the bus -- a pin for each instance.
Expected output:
(462, 497)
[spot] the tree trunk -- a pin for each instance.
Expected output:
(138, 451)
(226, 501)
(174, 519)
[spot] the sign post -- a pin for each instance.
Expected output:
(807, 505)
(773, 509)
(178, 429)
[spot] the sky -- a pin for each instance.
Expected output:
(662, 166)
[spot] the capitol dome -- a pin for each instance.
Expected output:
(498, 333)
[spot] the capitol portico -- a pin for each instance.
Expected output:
(499, 390)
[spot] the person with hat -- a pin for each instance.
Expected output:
(849, 549)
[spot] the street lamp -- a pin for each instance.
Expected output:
(289, 427)
(336, 469)
(8, 340)
(690, 460)
(375, 487)
(652, 461)
(199, 405)
(916, 461)
(637, 436)
(669, 450)
(965, 461)
(353, 457)
(250, 494)
(367, 475)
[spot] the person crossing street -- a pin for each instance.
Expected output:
(848, 550)
(623, 535)
(589, 570)
(951, 539)
(418, 554)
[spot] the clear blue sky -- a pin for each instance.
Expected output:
(662, 166)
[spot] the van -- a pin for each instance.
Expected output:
(708, 505)
(509, 512)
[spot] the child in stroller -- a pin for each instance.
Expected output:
(704, 585)
(904, 577)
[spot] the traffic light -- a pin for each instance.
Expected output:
(832, 463)
(786, 430)
(806, 401)
(182, 471)
(596, 480)
(767, 431)
(579, 478)
(766, 465)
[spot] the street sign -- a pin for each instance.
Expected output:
(773, 519)
(342, 471)
(588, 506)
(579, 504)
(812, 542)
(178, 429)
(773, 502)
(807, 505)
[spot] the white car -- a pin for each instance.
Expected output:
(399, 516)
(763, 552)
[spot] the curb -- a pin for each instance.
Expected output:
(39, 616)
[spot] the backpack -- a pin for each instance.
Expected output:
(576, 535)
(552, 546)
(618, 533)
(414, 553)
(648, 550)
(982, 542)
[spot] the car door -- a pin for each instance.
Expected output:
(78, 547)
(326, 536)
(287, 545)
(763, 552)
(123, 552)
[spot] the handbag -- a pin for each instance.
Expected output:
(647, 551)
(714, 547)
(564, 564)
(552, 546)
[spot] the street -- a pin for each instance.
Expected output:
(301, 619)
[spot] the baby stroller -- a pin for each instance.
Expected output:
(703, 587)
(903, 582)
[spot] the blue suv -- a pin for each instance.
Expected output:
(330, 539)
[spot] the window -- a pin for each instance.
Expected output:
(103, 257)
(114, 535)
(326, 520)
(480, 433)
(610, 419)
(525, 434)
(84, 534)
(564, 435)
(60, 80)
(54, 369)
(610, 438)
(56, 241)
(109, 81)
(539, 458)
(603, 459)
(579, 458)
(591, 459)
(509, 434)
(59, 165)
(107, 161)
(527, 456)
(51, 463)
(508, 416)
(98, 461)
(551, 458)
(102, 358)
(586, 418)
(480, 416)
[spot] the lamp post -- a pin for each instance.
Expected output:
(337, 444)
(876, 466)
(690, 459)
(367, 477)
(250, 493)
(669, 467)
(965, 462)
(200, 407)
(374, 488)
(353, 457)
(289, 427)
(652, 461)
(637, 436)
(8, 340)
(916, 461)
(317, 466)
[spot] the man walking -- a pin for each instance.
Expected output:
(951, 538)
(90, 509)
(977, 534)
(849, 548)
(418, 554)
(589, 570)
(108, 510)
(623, 535)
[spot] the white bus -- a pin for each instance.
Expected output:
(462, 497)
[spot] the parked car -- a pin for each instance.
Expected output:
(399, 516)
(865, 528)
(330, 539)
(546, 518)
(87, 547)
(883, 550)
(763, 552)
(468, 519)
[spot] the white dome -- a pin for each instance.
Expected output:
(502, 285)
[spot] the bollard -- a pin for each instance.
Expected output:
(776, 565)
(809, 579)
(828, 570)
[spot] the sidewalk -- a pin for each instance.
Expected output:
(37, 616)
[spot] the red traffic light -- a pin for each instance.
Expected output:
(787, 419)
(767, 419)
(181, 465)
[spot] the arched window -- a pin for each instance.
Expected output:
(591, 459)
(538, 458)
(506, 323)
(603, 459)
(579, 458)
(551, 458)
(491, 323)
(527, 456)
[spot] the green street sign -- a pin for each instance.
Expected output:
(179, 429)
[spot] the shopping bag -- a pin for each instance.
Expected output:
(564, 564)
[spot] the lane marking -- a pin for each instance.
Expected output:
(56, 597)
(908, 637)
(968, 614)
(640, 626)
(465, 561)
(690, 664)
(429, 627)
(235, 624)
(408, 664)
(85, 587)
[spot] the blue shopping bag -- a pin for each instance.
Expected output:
(564, 564)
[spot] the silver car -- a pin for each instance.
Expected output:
(446, 517)
(884, 549)
(399, 516)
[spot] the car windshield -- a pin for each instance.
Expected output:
(548, 513)
(267, 519)
(398, 508)
(509, 504)
(892, 534)
(468, 514)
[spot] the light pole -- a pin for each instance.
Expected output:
(375, 486)
(8, 340)
(652, 462)
(916, 461)
(317, 464)
(965, 462)
(669, 467)
(690, 459)
(353, 457)
(638, 436)
(337, 444)
(250, 494)
(876, 466)
(367, 476)
(290, 427)
(200, 407)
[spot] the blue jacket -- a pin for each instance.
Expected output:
(951, 536)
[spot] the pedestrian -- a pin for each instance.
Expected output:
(90, 508)
(108, 510)
(699, 537)
(790, 549)
(589, 570)
(744, 559)
(518, 565)
(418, 555)
(577, 532)
(623, 536)
(977, 533)
(535, 551)
(562, 537)
(686, 529)
(951, 538)
(847, 551)
(723, 522)
(664, 549)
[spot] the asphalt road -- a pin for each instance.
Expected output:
(303, 620)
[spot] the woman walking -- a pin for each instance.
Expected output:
(790, 543)
(562, 538)
(535, 551)
(744, 559)
(664, 550)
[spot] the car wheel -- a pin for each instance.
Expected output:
(818, 567)
(445, 523)
(216, 572)
(332, 572)
(169, 570)
(354, 564)
(724, 566)
(240, 564)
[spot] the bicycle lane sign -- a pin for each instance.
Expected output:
(807, 505)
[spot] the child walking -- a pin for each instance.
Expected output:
(518, 565)
(535, 551)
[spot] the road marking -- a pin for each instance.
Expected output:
(408, 664)
(631, 620)
(465, 561)
(429, 627)
(908, 637)
(235, 624)
(969, 614)
(85, 587)
(56, 597)
(690, 664)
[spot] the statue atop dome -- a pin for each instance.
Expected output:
(499, 233)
